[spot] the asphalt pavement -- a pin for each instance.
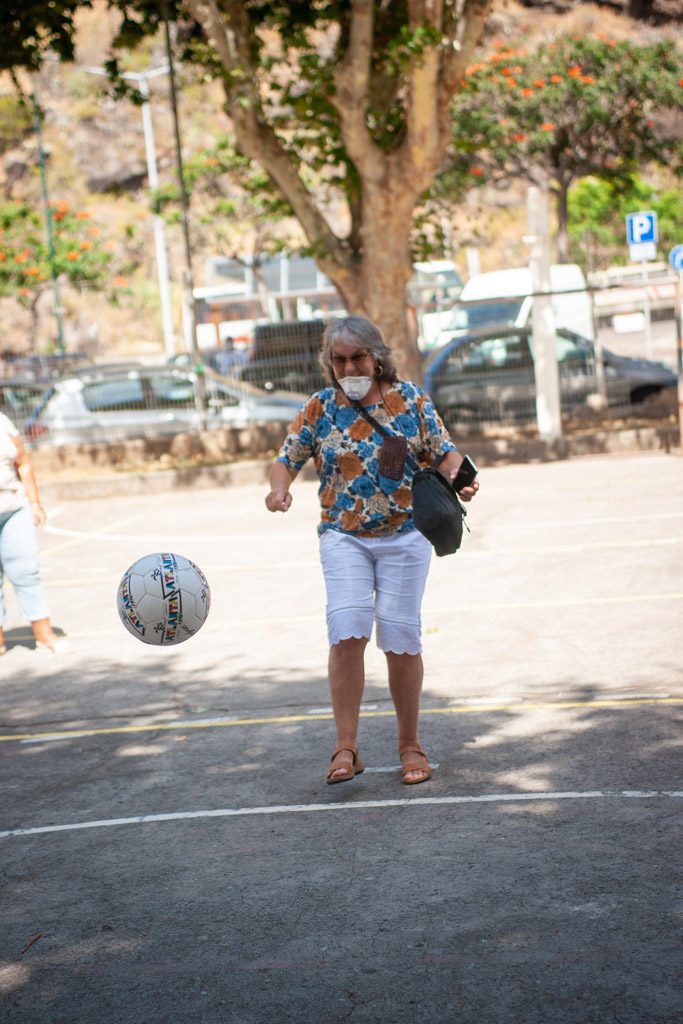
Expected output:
(171, 854)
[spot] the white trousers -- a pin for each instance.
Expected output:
(380, 579)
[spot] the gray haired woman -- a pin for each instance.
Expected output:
(374, 561)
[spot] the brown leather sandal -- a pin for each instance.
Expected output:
(416, 764)
(351, 770)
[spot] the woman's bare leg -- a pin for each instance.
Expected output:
(406, 673)
(346, 671)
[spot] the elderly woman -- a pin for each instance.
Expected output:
(374, 561)
(20, 513)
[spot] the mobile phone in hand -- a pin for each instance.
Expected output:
(465, 475)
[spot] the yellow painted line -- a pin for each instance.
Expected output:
(224, 723)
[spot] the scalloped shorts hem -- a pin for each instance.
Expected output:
(375, 581)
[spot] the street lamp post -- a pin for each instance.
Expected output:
(37, 117)
(141, 79)
(188, 282)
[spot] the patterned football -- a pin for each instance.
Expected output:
(163, 599)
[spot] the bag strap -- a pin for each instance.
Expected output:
(381, 429)
(416, 468)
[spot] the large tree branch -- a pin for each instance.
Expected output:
(463, 30)
(421, 141)
(227, 29)
(352, 82)
(434, 80)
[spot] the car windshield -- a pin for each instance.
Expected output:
(568, 347)
(481, 314)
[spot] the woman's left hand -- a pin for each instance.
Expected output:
(449, 466)
(467, 493)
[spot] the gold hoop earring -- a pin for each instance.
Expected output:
(379, 370)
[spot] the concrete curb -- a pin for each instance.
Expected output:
(487, 452)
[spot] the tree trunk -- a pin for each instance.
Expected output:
(371, 265)
(375, 284)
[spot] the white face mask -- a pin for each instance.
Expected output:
(355, 388)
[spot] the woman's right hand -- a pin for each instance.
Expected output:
(278, 501)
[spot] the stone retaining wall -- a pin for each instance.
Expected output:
(236, 457)
(182, 450)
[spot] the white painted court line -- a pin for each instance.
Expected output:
(356, 805)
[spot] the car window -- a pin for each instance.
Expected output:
(570, 349)
(506, 353)
(482, 314)
(117, 393)
(171, 392)
(19, 400)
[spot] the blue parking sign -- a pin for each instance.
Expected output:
(641, 227)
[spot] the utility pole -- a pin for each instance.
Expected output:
(188, 282)
(37, 120)
(543, 321)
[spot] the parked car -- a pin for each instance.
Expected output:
(19, 397)
(226, 359)
(487, 378)
(110, 405)
(504, 297)
(284, 355)
(45, 368)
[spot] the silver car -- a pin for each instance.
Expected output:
(99, 406)
(486, 378)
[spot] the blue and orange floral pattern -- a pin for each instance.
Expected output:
(354, 496)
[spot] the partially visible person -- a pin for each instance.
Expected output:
(229, 359)
(20, 513)
(374, 560)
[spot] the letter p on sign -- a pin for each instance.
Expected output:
(641, 227)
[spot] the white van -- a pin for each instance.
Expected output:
(503, 297)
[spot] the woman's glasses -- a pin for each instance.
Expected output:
(357, 359)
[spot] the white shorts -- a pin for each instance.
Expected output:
(375, 578)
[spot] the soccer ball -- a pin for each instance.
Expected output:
(163, 599)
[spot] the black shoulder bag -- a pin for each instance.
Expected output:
(438, 513)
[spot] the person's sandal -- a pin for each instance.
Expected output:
(350, 770)
(416, 764)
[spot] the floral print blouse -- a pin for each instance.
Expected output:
(354, 496)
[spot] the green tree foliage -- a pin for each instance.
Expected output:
(16, 121)
(235, 210)
(30, 27)
(26, 262)
(342, 103)
(597, 217)
(572, 108)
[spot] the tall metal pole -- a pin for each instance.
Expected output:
(49, 223)
(157, 221)
(141, 79)
(188, 283)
